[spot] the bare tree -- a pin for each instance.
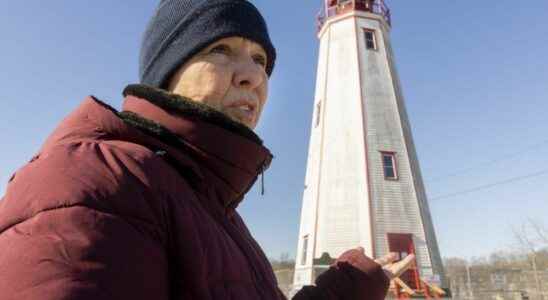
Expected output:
(540, 231)
(284, 257)
(531, 238)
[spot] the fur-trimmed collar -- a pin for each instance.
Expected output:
(229, 154)
(187, 107)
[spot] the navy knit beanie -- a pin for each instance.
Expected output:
(181, 28)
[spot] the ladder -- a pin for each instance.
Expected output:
(426, 290)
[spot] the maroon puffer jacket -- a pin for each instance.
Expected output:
(115, 206)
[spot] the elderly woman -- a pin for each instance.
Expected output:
(141, 204)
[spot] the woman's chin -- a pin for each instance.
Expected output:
(246, 120)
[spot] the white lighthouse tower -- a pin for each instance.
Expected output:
(363, 183)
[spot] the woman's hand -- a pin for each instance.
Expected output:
(358, 259)
(393, 270)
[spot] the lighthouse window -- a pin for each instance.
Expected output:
(305, 247)
(318, 113)
(389, 165)
(370, 41)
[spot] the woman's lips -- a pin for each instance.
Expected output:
(243, 111)
(244, 115)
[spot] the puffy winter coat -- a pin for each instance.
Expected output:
(118, 206)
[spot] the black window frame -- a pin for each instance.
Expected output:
(393, 166)
(304, 254)
(318, 114)
(370, 38)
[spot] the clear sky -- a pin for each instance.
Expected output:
(474, 75)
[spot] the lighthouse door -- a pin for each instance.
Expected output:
(403, 245)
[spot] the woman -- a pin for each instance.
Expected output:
(141, 204)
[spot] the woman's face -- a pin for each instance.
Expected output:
(229, 75)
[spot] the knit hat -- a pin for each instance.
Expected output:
(181, 28)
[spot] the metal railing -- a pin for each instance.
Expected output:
(338, 7)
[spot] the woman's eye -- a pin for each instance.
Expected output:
(223, 49)
(259, 59)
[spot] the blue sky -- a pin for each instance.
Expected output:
(474, 75)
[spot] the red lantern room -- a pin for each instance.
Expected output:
(334, 8)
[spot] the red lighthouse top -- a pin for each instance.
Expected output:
(336, 7)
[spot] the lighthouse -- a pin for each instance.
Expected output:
(363, 184)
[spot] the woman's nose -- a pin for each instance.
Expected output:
(248, 74)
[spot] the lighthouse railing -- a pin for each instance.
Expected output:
(337, 7)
